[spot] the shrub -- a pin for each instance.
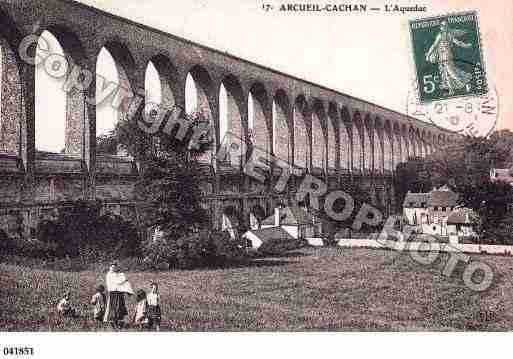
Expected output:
(278, 247)
(202, 248)
(80, 230)
(499, 232)
(330, 241)
(138, 264)
(114, 235)
(222, 249)
(67, 264)
(27, 248)
(3, 236)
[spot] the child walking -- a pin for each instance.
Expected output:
(99, 301)
(153, 300)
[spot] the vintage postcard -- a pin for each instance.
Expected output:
(253, 166)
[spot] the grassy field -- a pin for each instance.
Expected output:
(310, 289)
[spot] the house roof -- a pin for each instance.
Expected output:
(415, 200)
(443, 197)
(271, 233)
(268, 221)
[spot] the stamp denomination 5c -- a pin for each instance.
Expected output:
(448, 57)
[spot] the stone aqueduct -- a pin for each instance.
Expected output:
(332, 135)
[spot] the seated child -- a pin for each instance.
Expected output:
(99, 301)
(141, 309)
(65, 308)
(153, 300)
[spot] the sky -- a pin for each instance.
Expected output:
(364, 55)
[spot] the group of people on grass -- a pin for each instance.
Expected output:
(111, 308)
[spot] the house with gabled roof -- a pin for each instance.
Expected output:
(415, 208)
(297, 221)
(270, 240)
(287, 227)
(429, 212)
(441, 204)
(461, 223)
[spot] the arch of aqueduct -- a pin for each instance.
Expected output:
(332, 135)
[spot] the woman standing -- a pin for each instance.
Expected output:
(117, 286)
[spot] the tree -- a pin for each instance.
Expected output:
(360, 197)
(170, 186)
(465, 162)
(469, 160)
(128, 136)
(490, 201)
(500, 232)
(413, 176)
(502, 140)
(171, 193)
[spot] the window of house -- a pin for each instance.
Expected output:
(436, 208)
(411, 204)
(434, 228)
(443, 209)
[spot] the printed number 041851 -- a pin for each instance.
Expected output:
(18, 351)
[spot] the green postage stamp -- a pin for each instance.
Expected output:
(448, 57)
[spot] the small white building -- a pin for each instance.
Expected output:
(270, 240)
(415, 208)
(295, 220)
(430, 212)
(461, 223)
(284, 230)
